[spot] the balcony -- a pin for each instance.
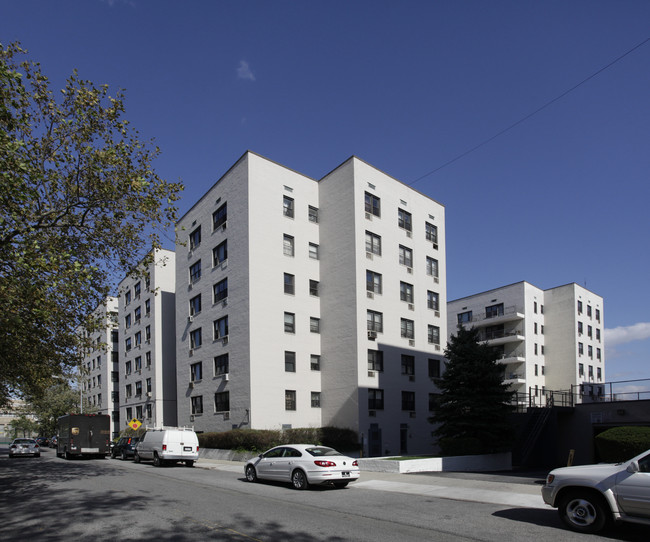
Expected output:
(514, 380)
(504, 336)
(509, 314)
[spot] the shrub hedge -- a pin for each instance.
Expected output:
(622, 443)
(260, 440)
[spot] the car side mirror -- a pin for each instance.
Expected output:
(261, 456)
(633, 467)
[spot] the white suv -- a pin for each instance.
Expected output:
(167, 445)
(589, 497)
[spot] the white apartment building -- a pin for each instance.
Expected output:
(147, 367)
(548, 339)
(98, 384)
(311, 303)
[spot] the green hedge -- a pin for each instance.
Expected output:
(260, 440)
(622, 443)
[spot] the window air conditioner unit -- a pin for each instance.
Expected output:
(435, 246)
(368, 216)
(437, 313)
(437, 347)
(412, 414)
(190, 318)
(411, 342)
(372, 413)
(370, 295)
(409, 270)
(225, 340)
(224, 226)
(225, 303)
(226, 377)
(191, 417)
(372, 374)
(226, 415)
(411, 307)
(411, 378)
(409, 234)
(191, 383)
(191, 352)
(148, 394)
(148, 341)
(369, 255)
(436, 280)
(372, 335)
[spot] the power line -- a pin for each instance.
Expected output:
(523, 119)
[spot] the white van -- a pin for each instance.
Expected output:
(168, 444)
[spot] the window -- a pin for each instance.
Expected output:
(312, 213)
(598, 354)
(406, 292)
(433, 401)
(129, 413)
(290, 399)
(373, 282)
(598, 334)
(375, 399)
(432, 267)
(590, 332)
(287, 206)
(195, 338)
(375, 321)
(599, 373)
(579, 328)
(434, 368)
(494, 310)
(220, 290)
(581, 349)
(147, 307)
(434, 335)
(408, 400)
(535, 349)
(535, 307)
(431, 232)
(590, 351)
(597, 315)
(138, 388)
(288, 245)
(148, 409)
(465, 317)
(433, 300)
(290, 362)
(221, 327)
(373, 243)
(137, 314)
(148, 385)
(408, 365)
(589, 311)
(314, 325)
(373, 204)
(222, 401)
(195, 238)
(315, 362)
(579, 307)
(591, 372)
(581, 369)
(196, 371)
(195, 272)
(315, 399)
(220, 253)
(138, 363)
(406, 328)
(313, 287)
(127, 297)
(221, 365)
(138, 338)
(404, 220)
(137, 289)
(313, 251)
(405, 256)
(147, 359)
(375, 360)
(115, 336)
(127, 344)
(289, 322)
(197, 404)
(115, 377)
(289, 286)
(220, 216)
(128, 390)
(127, 321)
(195, 305)
(536, 370)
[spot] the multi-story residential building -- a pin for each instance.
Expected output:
(548, 339)
(311, 303)
(147, 368)
(99, 366)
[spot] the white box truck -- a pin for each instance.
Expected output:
(166, 445)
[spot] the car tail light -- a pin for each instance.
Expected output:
(164, 447)
(550, 478)
(35, 445)
(355, 463)
(13, 446)
(322, 463)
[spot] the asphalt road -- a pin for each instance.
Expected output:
(53, 499)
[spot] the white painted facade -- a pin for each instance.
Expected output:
(147, 346)
(297, 304)
(549, 339)
(98, 364)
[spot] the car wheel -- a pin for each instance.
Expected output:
(136, 457)
(340, 485)
(113, 454)
(124, 455)
(585, 512)
(157, 462)
(67, 454)
(299, 479)
(251, 473)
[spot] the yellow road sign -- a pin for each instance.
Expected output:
(135, 424)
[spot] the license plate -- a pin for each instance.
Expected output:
(345, 474)
(187, 449)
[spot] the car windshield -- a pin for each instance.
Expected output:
(23, 441)
(320, 451)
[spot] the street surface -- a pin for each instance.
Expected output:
(53, 499)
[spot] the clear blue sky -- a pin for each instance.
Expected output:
(407, 86)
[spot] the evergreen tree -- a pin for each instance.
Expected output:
(474, 403)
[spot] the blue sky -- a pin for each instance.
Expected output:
(407, 86)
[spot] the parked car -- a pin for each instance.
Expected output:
(124, 448)
(302, 465)
(24, 446)
(53, 441)
(42, 441)
(163, 446)
(591, 496)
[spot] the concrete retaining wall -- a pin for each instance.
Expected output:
(465, 463)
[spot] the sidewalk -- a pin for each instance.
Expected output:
(509, 489)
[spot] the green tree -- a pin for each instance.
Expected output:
(473, 406)
(22, 426)
(59, 399)
(80, 205)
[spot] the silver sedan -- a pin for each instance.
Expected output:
(302, 465)
(24, 446)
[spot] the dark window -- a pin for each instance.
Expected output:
(408, 400)
(220, 253)
(222, 401)
(373, 204)
(220, 216)
(220, 290)
(195, 238)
